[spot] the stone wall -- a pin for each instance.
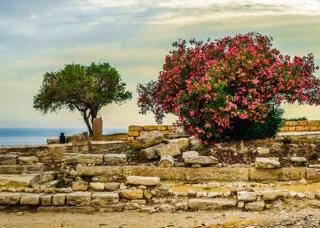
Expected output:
(136, 131)
(291, 126)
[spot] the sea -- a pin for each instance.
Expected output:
(38, 136)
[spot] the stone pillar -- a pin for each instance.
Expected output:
(97, 129)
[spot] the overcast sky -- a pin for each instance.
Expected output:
(37, 36)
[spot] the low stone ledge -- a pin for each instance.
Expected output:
(212, 204)
(30, 199)
(90, 158)
(283, 174)
(18, 169)
(138, 180)
(103, 199)
(79, 198)
(313, 174)
(115, 159)
(8, 198)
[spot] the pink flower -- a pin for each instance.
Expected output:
(192, 113)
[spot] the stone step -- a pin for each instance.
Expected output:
(25, 180)
(18, 169)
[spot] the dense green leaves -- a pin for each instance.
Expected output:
(83, 88)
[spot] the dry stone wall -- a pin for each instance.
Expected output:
(136, 131)
(291, 126)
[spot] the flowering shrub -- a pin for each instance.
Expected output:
(209, 85)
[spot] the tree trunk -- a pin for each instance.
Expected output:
(87, 121)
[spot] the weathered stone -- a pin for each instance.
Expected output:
(266, 163)
(7, 198)
(79, 198)
(57, 151)
(317, 194)
(216, 203)
(263, 150)
(18, 169)
(147, 194)
(19, 180)
(83, 170)
(112, 186)
(90, 158)
(182, 206)
(67, 209)
(247, 196)
(300, 161)
(135, 128)
(30, 199)
(46, 200)
(182, 143)
(166, 161)
(167, 208)
(131, 194)
(59, 199)
(115, 159)
(313, 174)
(8, 159)
(148, 139)
(255, 206)
(169, 149)
(272, 195)
(150, 153)
(138, 180)
(283, 174)
(28, 160)
(201, 160)
(80, 186)
(103, 199)
(97, 186)
(190, 154)
(133, 133)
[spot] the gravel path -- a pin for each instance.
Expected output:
(303, 218)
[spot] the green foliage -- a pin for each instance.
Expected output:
(245, 129)
(83, 88)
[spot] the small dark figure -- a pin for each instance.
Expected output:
(62, 138)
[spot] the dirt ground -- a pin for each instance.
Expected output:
(302, 218)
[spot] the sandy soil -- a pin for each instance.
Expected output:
(303, 218)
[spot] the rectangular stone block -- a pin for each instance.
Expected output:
(9, 198)
(283, 174)
(150, 127)
(130, 138)
(292, 128)
(302, 123)
(46, 200)
(107, 171)
(162, 127)
(103, 199)
(135, 128)
(211, 204)
(313, 174)
(59, 199)
(19, 180)
(314, 123)
(30, 199)
(90, 158)
(8, 159)
(307, 128)
(133, 133)
(115, 159)
(284, 129)
(18, 169)
(79, 198)
(299, 128)
(314, 128)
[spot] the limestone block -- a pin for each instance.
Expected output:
(135, 128)
(133, 133)
(112, 186)
(131, 194)
(8, 159)
(18, 169)
(283, 174)
(314, 123)
(19, 180)
(169, 149)
(299, 128)
(138, 180)
(313, 174)
(115, 159)
(80, 186)
(317, 194)
(90, 158)
(79, 198)
(147, 194)
(28, 160)
(190, 154)
(150, 153)
(247, 196)
(46, 200)
(30, 199)
(266, 163)
(8, 198)
(290, 123)
(150, 127)
(149, 139)
(215, 203)
(302, 123)
(202, 160)
(255, 206)
(57, 151)
(263, 150)
(182, 143)
(97, 186)
(166, 161)
(59, 199)
(272, 194)
(103, 199)
(301, 161)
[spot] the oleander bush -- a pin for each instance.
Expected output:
(229, 86)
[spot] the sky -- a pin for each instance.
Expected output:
(38, 36)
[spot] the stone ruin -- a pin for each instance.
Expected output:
(160, 171)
